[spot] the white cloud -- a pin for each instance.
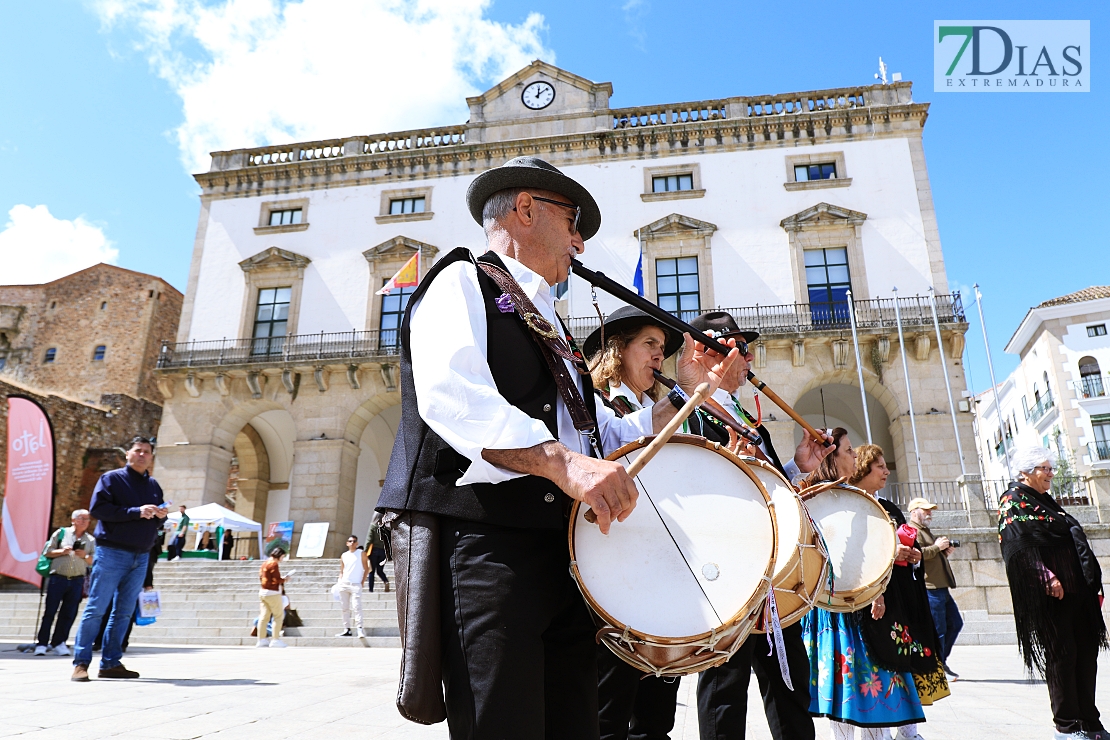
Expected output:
(36, 248)
(256, 72)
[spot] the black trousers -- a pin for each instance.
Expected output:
(518, 643)
(377, 557)
(1071, 660)
(633, 705)
(63, 597)
(723, 691)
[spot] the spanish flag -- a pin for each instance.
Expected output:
(407, 277)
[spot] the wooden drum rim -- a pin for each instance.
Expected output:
(820, 488)
(750, 609)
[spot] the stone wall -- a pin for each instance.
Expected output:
(127, 312)
(977, 563)
(88, 439)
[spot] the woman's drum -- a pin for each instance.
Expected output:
(861, 544)
(801, 563)
(677, 586)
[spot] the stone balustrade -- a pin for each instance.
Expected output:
(669, 114)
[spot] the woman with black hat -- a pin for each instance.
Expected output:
(630, 704)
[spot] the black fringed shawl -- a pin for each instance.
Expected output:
(1038, 536)
(904, 638)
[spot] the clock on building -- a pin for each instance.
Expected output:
(538, 95)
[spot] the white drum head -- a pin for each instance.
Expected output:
(858, 534)
(788, 515)
(703, 572)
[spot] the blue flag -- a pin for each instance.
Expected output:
(638, 276)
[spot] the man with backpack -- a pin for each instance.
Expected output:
(70, 550)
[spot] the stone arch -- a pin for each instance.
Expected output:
(223, 433)
(371, 428)
(848, 376)
(253, 479)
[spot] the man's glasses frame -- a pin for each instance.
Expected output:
(577, 210)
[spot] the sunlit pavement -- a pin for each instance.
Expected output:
(332, 693)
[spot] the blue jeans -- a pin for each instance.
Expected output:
(946, 617)
(116, 575)
(65, 594)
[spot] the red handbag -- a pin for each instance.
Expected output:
(907, 536)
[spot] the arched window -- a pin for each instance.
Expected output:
(1090, 378)
(49, 358)
(98, 353)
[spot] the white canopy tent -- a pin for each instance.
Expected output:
(209, 517)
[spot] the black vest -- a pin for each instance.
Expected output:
(423, 468)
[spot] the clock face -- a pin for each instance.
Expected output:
(538, 95)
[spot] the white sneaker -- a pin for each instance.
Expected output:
(263, 642)
(40, 649)
(900, 734)
(360, 634)
(61, 649)
(278, 643)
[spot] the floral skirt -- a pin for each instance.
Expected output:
(845, 685)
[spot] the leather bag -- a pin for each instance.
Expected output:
(414, 540)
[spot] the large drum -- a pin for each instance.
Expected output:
(860, 539)
(677, 586)
(801, 563)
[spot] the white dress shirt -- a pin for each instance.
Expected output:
(637, 402)
(456, 394)
(730, 404)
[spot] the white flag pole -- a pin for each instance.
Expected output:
(909, 393)
(994, 384)
(947, 385)
(859, 367)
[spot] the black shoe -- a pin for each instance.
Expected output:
(949, 671)
(345, 633)
(117, 672)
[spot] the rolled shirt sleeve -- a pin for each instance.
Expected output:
(455, 390)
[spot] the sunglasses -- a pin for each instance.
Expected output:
(577, 210)
(740, 343)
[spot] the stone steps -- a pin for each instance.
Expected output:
(208, 602)
(983, 628)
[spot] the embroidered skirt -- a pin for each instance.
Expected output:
(845, 685)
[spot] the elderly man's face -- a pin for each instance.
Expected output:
(549, 233)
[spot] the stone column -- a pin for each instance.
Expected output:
(1098, 483)
(193, 474)
(322, 488)
(971, 489)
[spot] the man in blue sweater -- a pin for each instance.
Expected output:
(129, 507)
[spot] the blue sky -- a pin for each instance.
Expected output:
(108, 102)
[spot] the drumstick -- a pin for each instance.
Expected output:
(661, 439)
(725, 419)
(761, 386)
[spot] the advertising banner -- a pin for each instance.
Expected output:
(28, 490)
(281, 534)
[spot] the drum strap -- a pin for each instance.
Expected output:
(778, 646)
(553, 344)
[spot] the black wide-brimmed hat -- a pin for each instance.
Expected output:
(723, 326)
(533, 172)
(629, 317)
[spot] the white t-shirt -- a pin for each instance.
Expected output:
(353, 572)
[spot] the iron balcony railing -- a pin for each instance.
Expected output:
(1089, 386)
(1043, 406)
(337, 346)
(1099, 451)
(945, 494)
(293, 349)
(795, 318)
